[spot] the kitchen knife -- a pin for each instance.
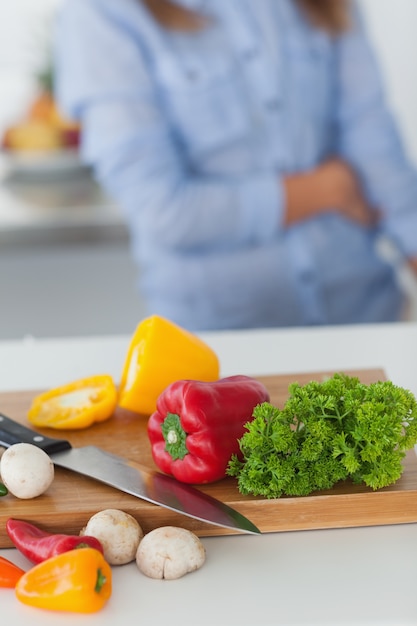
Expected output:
(129, 477)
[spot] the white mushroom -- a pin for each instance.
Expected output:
(118, 532)
(26, 470)
(170, 552)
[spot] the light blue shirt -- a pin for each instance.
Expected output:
(192, 134)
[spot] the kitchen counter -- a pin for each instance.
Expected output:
(340, 577)
(50, 207)
(63, 242)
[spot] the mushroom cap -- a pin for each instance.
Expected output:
(170, 552)
(118, 532)
(26, 470)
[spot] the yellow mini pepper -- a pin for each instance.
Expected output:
(160, 352)
(79, 581)
(75, 405)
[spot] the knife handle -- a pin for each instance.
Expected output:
(12, 432)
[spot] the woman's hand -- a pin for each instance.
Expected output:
(412, 262)
(331, 187)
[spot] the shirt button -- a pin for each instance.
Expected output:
(249, 54)
(306, 276)
(192, 75)
(273, 105)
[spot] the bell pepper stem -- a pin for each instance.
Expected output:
(101, 580)
(175, 436)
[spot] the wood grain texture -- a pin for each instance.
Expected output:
(72, 498)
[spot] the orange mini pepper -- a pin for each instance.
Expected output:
(79, 581)
(160, 352)
(9, 573)
(75, 405)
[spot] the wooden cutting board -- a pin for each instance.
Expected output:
(72, 499)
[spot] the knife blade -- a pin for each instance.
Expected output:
(129, 477)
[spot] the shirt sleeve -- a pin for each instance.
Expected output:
(369, 139)
(104, 80)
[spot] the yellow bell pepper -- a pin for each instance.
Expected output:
(79, 581)
(75, 405)
(160, 352)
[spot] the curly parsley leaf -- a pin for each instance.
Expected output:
(326, 432)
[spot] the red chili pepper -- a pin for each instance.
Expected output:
(196, 426)
(9, 573)
(38, 545)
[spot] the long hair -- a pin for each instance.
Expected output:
(330, 15)
(175, 17)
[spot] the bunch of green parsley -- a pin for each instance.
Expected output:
(326, 432)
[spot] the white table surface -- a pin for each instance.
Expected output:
(338, 577)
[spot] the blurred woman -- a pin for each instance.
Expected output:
(251, 150)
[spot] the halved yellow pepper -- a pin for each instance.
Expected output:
(75, 405)
(159, 353)
(79, 581)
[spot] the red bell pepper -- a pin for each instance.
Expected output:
(9, 573)
(38, 545)
(196, 426)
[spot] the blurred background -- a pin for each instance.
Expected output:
(65, 265)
